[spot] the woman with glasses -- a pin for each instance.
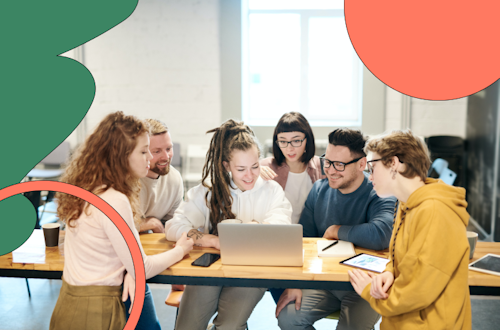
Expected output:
(293, 165)
(425, 283)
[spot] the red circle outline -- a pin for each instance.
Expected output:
(110, 212)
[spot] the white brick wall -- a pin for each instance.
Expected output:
(162, 62)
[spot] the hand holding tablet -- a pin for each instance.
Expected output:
(367, 261)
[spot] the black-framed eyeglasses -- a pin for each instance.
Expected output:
(294, 143)
(338, 166)
(370, 166)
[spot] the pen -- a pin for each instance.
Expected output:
(329, 246)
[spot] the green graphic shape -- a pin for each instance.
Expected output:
(43, 96)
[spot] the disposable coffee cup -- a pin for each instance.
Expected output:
(51, 234)
(231, 221)
(472, 237)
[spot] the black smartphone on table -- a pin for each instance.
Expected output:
(206, 259)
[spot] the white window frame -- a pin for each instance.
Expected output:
(305, 15)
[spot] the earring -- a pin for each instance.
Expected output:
(393, 172)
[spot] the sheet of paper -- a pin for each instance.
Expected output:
(32, 251)
(342, 249)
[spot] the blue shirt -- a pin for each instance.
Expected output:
(365, 219)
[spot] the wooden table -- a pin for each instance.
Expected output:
(317, 273)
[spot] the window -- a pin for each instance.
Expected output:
(297, 56)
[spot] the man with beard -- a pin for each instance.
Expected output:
(161, 194)
(343, 206)
(162, 189)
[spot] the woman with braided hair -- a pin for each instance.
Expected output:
(425, 283)
(231, 188)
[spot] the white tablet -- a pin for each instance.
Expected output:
(490, 264)
(367, 261)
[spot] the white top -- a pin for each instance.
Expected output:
(266, 202)
(297, 189)
(95, 253)
(160, 197)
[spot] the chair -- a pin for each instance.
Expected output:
(334, 315)
(174, 297)
(440, 166)
(52, 170)
(453, 150)
(194, 161)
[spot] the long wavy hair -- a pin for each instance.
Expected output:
(231, 135)
(101, 163)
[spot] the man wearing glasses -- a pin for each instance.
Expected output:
(343, 206)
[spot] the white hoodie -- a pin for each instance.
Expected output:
(266, 202)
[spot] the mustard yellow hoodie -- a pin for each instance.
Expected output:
(430, 289)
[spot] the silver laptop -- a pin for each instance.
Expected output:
(261, 244)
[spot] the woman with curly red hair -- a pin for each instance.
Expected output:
(96, 256)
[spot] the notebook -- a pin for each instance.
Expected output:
(342, 249)
(260, 244)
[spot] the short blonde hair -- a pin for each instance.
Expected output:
(409, 148)
(156, 127)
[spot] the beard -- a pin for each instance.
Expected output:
(348, 181)
(162, 171)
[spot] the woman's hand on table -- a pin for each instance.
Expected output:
(214, 242)
(381, 284)
(359, 280)
(186, 243)
(204, 240)
(267, 173)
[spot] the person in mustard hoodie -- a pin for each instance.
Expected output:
(425, 283)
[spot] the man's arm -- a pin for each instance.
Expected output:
(151, 223)
(376, 233)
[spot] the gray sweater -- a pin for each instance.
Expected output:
(365, 219)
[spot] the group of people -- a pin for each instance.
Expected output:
(126, 161)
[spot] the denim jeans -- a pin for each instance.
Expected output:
(148, 319)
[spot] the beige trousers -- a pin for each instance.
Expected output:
(88, 308)
(233, 304)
